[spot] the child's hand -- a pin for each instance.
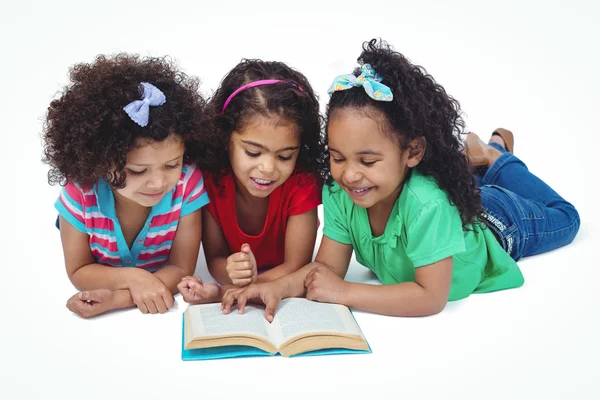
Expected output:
(325, 286)
(268, 293)
(150, 294)
(194, 291)
(241, 267)
(91, 302)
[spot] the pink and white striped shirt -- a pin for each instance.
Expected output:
(92, 211)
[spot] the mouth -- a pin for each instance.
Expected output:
(153, 195)
(262, 184)
(359, 192)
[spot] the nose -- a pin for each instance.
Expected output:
(156, 180)
(267, 165)
(351, 175)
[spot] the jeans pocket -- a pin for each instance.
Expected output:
(526, 209)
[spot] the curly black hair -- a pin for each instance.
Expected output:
(420, 108)
(87, 135)
(293, 100)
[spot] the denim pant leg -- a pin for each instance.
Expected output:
(528, 216)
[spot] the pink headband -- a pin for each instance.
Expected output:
(253, 84)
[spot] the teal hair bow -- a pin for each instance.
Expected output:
(368, 79)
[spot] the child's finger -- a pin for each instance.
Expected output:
(142, 307)
(241, 301)
(242, 257)
(270, 308)
(309, 281)
(151, 306)
(227, 302)
(169, 300)
(183, 285)
(243, 273)
(242, 282)
(244, 265)
(160, 304)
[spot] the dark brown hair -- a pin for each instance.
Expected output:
(87, 135)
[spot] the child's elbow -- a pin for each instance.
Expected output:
(438, 307)
(434, 306)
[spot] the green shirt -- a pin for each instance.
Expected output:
(423, 228)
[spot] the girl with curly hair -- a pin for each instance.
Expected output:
(404, 198)
(264, 128)
(120, 139)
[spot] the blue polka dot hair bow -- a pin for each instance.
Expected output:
(368, 79)
(139, 110)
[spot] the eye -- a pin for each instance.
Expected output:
(368, 163)
(132, 172)
(172, 166)
(283, 158)
(254, 155)
(337, 160)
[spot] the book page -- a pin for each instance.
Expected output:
(300, 316)
(209, 320)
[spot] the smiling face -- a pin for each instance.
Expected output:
(364, 160)
(263, 154)
(153, 169)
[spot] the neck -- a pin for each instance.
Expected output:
(123, 204)
(385, 206)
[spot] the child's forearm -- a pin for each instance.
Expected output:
(217, 267)
(123, 299)
(171, 275)
(277, 272)
(407, 299)
(98, 276)
(293, 284)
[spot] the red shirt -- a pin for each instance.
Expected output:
(299, 194)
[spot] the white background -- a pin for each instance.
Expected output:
(530, 66)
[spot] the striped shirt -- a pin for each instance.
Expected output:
(92, 211)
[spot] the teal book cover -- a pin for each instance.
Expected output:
(294, 318)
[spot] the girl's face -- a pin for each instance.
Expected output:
(153, 169)
(263, 154)
(364, 161)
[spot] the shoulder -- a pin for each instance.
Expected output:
(75, 192)
(216, 183)
(423, 189)
(421, 196)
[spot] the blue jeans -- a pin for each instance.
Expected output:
(525, 214)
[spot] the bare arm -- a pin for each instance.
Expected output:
(300, 237)
(216, 249)
(184, 251)
(334, 255)
(428, 295)
(82, 269)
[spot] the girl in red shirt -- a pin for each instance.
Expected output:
(264, 126)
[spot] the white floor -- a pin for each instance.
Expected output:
(531, 66)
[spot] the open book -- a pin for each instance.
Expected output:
(300, 326)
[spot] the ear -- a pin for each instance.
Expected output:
(416, 150)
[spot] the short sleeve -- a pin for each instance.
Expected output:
(305, 196)
(70, 206)
(195, 195)
(434, 234)
(336, 226)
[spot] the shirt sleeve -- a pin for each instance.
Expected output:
(305, 196)
(336, 226)
(194, 192)
(434, 234)
(70, 206)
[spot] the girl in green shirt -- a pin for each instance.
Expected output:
(403, 197)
